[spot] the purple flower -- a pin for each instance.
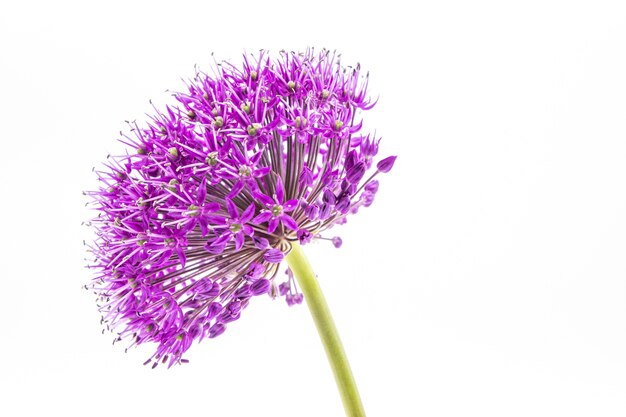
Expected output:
(195, 217)
(237, 226)
(276, 209)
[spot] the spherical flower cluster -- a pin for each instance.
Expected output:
(195, 219)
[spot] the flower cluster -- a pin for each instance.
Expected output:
(194, 220)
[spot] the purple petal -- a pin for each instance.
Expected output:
(239, 237)
(248, 213)
(204, 227)
(214, 249)
(209, 207)
(181, 256)
(267, 201)
(236, 189)
(272, 225)
(280, 190)
(262, 218)
(288, 221)
(260, 287)
(261, 172)
(256, 157)
(232, 208)
(202, 191)
(215, 220)
(290, 205)
(223, 239)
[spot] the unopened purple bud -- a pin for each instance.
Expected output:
(386, 164)
(325, 211)
(328, 197)
(372, 186)
(215, 308)
(273, 256)
(242, 292)
(367, 198)
(355, 173)
(195, 331)
(304, 236)
(312, 211)
(351, 160)
(261, 242)
(226, 317)
(234, 307)
(306, 177)
(343, 205)
(337, 242)
(284, 288)
(254, 272)
(214, 290)
(328, 178)
(216, 330)
(260, 287)
(347, 187)
(293, 299)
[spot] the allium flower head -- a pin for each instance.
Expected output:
(195, 219)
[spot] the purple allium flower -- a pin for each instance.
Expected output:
(194, 219)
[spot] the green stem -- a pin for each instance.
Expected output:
(327, 331)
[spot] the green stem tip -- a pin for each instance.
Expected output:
(326, 328)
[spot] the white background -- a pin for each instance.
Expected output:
(488, 278)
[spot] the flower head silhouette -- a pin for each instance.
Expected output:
(195, 218)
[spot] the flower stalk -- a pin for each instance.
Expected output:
(327, 331)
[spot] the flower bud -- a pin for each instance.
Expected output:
(386, 164)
